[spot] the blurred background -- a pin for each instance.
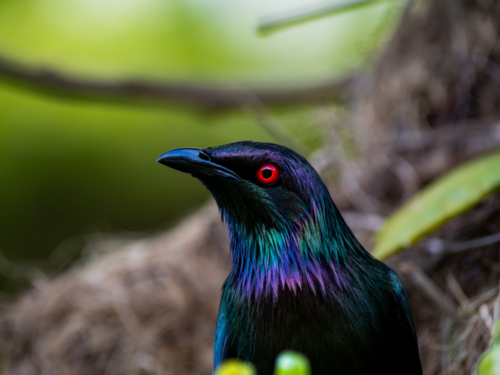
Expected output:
(112, 264)
(72, 166)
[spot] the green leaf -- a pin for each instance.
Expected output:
(449, 196)
(490, 361)
(292, 363)
(235, 367)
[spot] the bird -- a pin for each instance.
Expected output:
(299, 278)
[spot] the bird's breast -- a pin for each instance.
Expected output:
(335, 329)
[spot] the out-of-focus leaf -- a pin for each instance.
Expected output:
(444, 199)
(292, 363)
(490, 361)
(235, 367)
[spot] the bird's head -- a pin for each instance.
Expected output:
(277, 208)
(254, 183)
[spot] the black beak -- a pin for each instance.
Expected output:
(195, 162)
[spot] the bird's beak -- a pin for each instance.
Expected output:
(195, 162)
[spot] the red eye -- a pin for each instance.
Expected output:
(268, 174)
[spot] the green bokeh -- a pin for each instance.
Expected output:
(70, 168)
(79, 168)
(292, 363)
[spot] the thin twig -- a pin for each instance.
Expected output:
(474, 304)
(205, 96)
(276, 22)
(261, 115)
(484, 312)
(427, 286)
(444, 249)
(477, 132)
(457, 290)
(478, 242)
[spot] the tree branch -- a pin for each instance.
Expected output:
(207, 97)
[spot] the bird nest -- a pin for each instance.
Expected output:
(144, 306)
(452, 280)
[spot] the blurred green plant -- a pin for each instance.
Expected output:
(287, 363)
(235, 367)
(292, 363)
(444, 199)
(489, 364)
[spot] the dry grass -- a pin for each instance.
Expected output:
(147, 307)
(453, 335)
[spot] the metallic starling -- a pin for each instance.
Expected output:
(299, 280)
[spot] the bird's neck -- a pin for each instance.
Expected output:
(312, 253)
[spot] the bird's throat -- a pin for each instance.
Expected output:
(266, 260)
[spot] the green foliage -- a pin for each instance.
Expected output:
(235, 367)
(292, 363)
(287, 363)
(70, 168)
(444, 199)
(490, 361)
(180, 39)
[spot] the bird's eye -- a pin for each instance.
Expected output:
(268, 174)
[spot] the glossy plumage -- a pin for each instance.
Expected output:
(299, 280)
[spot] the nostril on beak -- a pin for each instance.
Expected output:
(203, 156)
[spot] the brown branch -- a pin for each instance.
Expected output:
(140, 92)
(472, 134)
